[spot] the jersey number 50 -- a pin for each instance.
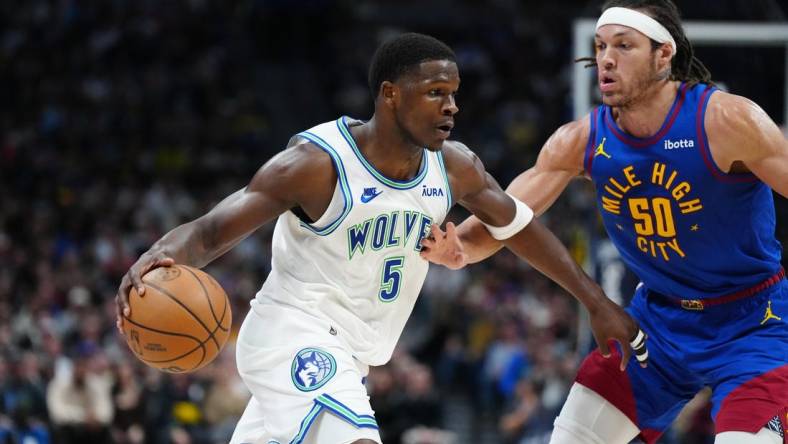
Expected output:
(652, 217)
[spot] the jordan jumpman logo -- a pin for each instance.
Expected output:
(769, 314)
(600, 150)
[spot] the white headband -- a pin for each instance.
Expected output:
(638, 21)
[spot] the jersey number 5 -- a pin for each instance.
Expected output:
(391, 278)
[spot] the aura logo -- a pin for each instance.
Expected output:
(431, 191)
(681, 143)
(369, 194)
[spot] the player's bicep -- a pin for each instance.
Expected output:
(769, 159)
(273, 190)
(772, 169)
(559, 161)
(540, 187)
(489, 202)
(741, 131)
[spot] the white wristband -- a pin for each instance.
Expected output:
(523, 216)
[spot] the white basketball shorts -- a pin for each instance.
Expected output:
(307, 388)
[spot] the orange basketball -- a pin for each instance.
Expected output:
(181, 322)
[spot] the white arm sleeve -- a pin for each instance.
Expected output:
(522, 217)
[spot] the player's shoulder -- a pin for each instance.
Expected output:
(456, 151)
(301, 162)
(305, 151)
(565, 149)
(574, 133)
(731, 114)
(725, 103)
(460, 160)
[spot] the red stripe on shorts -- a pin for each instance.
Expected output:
(603, 376)
(751, 405)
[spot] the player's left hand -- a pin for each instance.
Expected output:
(444, 248)
(610, 321)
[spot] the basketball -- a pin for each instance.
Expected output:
(181, 322)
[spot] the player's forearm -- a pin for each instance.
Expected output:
(476, 240)
(539, 247)
(190, 244)
(204, 239)
(195, 243)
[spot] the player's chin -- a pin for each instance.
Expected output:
(613, 99)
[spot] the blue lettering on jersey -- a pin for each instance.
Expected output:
(369, 194)
(391, 238)
(379, 234)
(423, 229)
(431, 191)
(410, 223)
(387, 231)
(357, 236)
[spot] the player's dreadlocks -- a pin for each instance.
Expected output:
(684, 66)
(400, 54)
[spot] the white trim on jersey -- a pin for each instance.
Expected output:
(342, 182)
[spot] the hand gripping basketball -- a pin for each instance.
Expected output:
(133, 278)
(182, 322)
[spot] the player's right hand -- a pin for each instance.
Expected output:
(133, 278)
(444, 248)
(610, 322)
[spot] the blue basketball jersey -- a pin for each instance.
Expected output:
(683, 226)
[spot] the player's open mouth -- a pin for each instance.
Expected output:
(606, 83)
(445, 129)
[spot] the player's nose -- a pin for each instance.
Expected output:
(605, 59)
(450, 107)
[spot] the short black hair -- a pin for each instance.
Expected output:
(402, 53)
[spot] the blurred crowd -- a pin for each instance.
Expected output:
(121, 119)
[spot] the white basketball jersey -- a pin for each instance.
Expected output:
(358, 266)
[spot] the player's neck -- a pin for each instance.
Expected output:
(645, 117)
(388, 150)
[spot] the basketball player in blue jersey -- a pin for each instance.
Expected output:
(683, 173)
(354, 200)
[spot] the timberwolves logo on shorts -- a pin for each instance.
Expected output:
(312, 368)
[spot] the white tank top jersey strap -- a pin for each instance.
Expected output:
(358, 266)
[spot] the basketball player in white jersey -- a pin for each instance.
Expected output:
(354, 200)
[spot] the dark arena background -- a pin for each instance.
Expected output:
(120, 119)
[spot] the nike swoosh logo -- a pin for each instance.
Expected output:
(367, 197)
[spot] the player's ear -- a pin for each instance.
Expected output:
(665, 54)
(388, 92)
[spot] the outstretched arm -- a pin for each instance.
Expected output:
(301, 175)
(478, 192)
(559, 161)
(742, 137)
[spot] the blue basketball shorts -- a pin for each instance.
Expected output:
(739, 349)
